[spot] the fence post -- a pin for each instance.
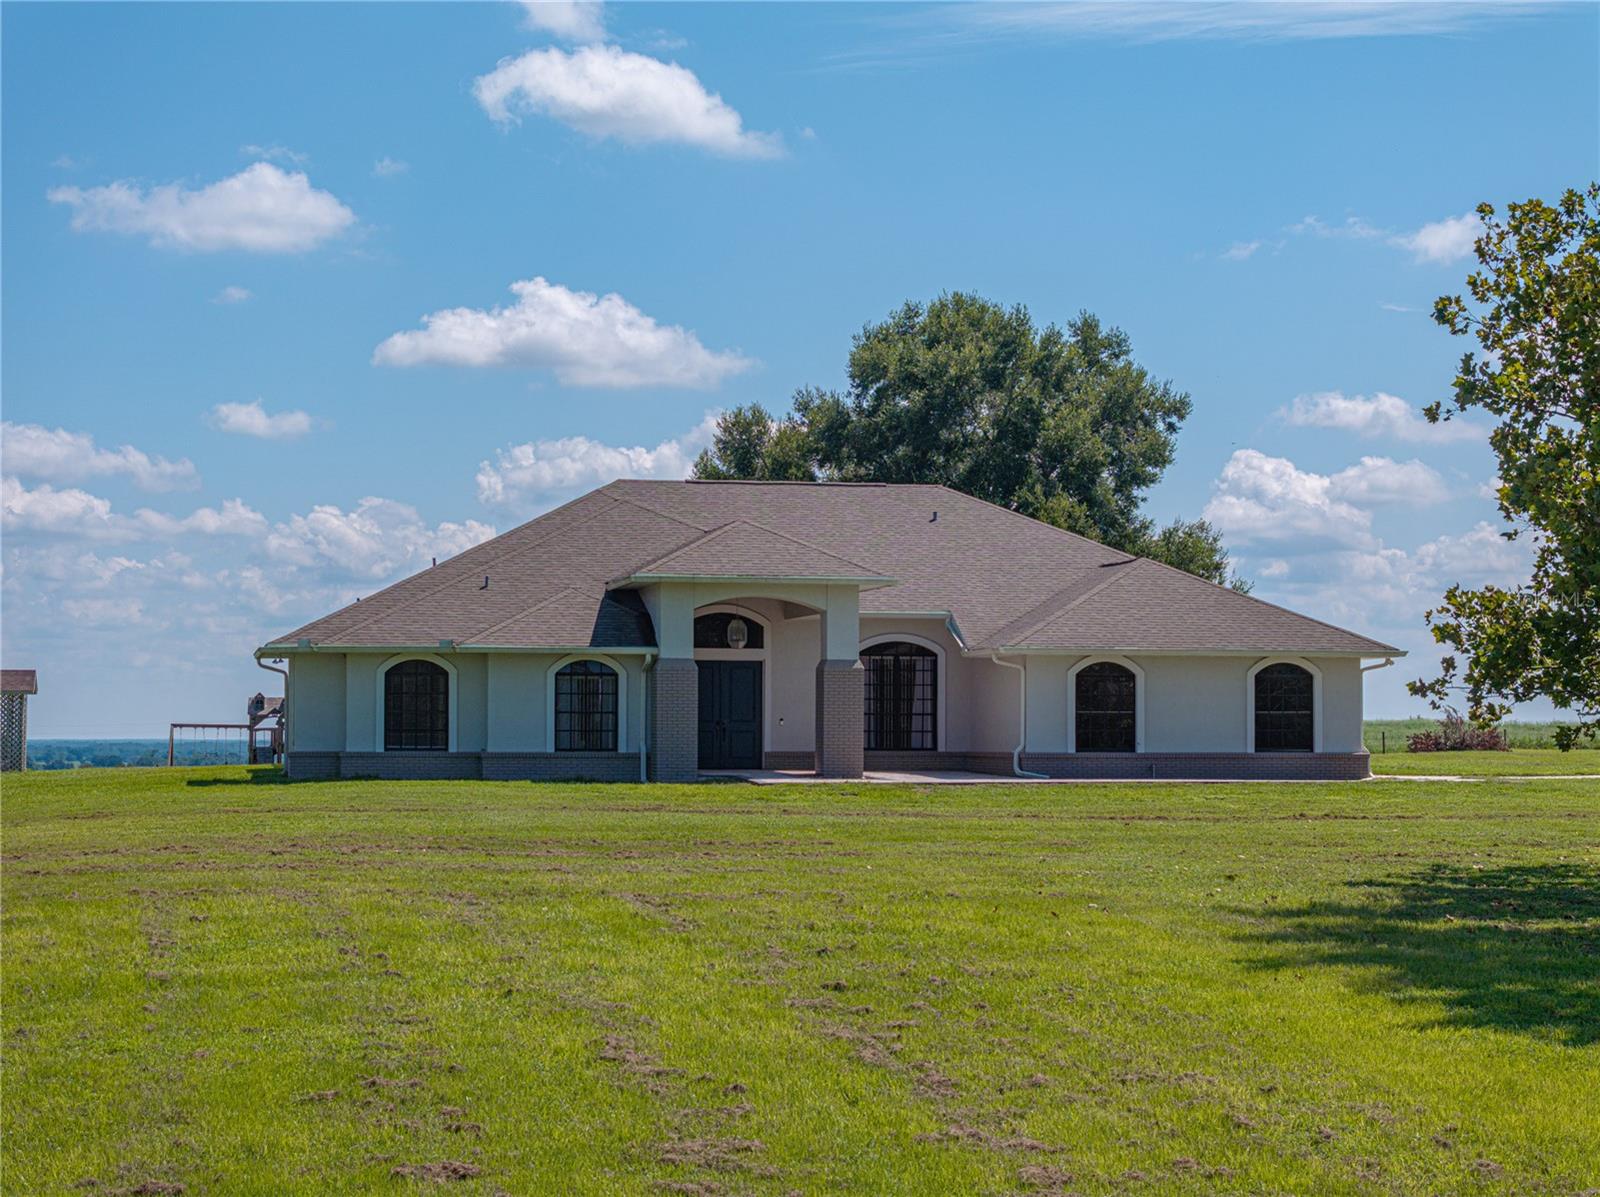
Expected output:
(1383, 739)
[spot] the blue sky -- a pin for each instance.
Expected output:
(262, 351)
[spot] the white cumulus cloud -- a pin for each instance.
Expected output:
(586, 339)
(530, 477)
(605, 91)
(388, 168)
(232, 294)
(251, 419)
(1443, 241)
(1379, 480)
(74, 512)
(377, 540)
(262, 209)
(1381, 415)
(570, 20)
(1262, 500)
(56, 455)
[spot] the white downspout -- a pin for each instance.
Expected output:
(260, 664)
(644, 717)
(1022, 731)
(1384, 665)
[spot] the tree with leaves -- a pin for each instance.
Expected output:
(1535, 313)
(1061, 425)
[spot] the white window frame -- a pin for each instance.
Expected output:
(941, 701)
(550, 697)
(383, 674)
(744, 654)
(1132, 667)
(1250, 699)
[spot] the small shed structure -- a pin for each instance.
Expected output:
(15, 687)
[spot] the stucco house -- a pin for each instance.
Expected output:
(654, 630)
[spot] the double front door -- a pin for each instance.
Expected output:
(730, 714)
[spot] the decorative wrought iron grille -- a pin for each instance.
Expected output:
(1283, 709)
(711, 631)
(586, 707)
(1104, 708)
(416, 708)
(901, 701)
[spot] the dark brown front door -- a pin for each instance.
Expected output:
(730, 714)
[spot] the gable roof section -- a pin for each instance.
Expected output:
(1149, 607)
(744, 550)
(1008, 582)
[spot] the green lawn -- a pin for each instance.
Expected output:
(1389, 735)
(1515, 762)
(237, 986)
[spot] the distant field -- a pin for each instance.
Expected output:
(1519, 735)
(1518, 762)
(216, 981)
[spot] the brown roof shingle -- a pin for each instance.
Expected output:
(1006, 581)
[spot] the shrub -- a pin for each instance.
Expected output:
(1455, 734)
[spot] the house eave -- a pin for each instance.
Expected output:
(268, 651)
(865, 582)
(1021, 650)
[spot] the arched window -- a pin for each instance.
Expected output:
(586, 707)
(1105, 708)
(724, 629)
(416, 707)
(901, 703)
(1285, 719)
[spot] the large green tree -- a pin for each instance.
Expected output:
(1535, 311)
(1062, 425)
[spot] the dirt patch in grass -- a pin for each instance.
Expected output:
(438, 1172)
(714, 1155)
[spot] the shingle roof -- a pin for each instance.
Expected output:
(19, 681)
(1007, 581)
(745, 550)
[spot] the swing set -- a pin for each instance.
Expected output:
(258, 742)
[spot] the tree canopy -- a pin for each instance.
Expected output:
(1061, 425)
(1535, 313)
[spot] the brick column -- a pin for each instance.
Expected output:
(674, 720)
(840, 685)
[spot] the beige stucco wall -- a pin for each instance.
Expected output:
(1194, 704)
(316, 697)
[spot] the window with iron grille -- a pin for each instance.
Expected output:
(1284, 709)
(586, 707)
(901, 700)
(416, 708)
(1104, 704)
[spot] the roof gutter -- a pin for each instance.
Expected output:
(1022, 731)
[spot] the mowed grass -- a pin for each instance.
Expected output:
(222, 982)
(1514, 762)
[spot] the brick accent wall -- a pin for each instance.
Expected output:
(841, 686)
(490, 766)
(1205, 766)
(312, 766)
(1113, 766)
(674, 720)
